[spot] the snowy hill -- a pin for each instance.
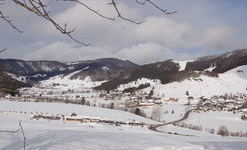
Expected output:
(33, 71)
(113, 72)
(175, 71)
(99, 69)
(177, 105)
(67, 82)
(231, 82)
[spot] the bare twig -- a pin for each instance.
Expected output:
(15, 131)
(113, 3)
(90, 8)
(9, 21)
(3, 50)
(2, 2)
(39, 8)
(103, 16)
(23, 134)
(10, 131)
(142, 3)
(156, 6)
(159, 8)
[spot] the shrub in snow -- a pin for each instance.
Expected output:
(88, 103)
(83, 101)
(112, 106)
(66, 101)
(223, 131)
(244, 117)
(187, 93)
(138, 112)
(73, 115)
(211, 131)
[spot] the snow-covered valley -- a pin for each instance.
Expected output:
(58, 134)
(200, 113)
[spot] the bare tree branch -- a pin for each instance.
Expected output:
(9, 21)
(156, 6)
(2, 2)
(15, 131)
(23, 134)
(39, 8)
(10, 131)
(119, 13)
(159, 8)
(3, 50)
(90, 8)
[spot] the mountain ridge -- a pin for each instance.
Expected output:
(116, 71)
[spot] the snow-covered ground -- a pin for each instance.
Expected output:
(68, 109)
(18, 78)
(213, 120)
(65, 82)
(50, 134)
(182, 64)
(58, 135)
(168, 112)
(231, 82)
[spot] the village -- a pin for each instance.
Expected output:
(139, 102)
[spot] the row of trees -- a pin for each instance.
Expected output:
(222, 130)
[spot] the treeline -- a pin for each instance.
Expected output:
(222, 130)
(134, 89)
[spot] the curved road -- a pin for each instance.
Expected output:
(155, 126)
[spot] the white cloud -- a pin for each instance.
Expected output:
(154, 40)
(141, 53)
(157, 29)
(66, 52)
(145, 53)
(158, 38)
(217, 37)
(162, 29)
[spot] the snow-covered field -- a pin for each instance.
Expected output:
(68, 109)
(58, 135)
(213, 120)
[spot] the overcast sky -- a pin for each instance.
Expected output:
(200, 27)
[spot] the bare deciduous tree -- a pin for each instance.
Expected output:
(40, 8)
(156, 113)
(16, 131)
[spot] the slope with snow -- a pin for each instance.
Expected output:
(67, 109)
(231, 82)
(18, 78)
(66, 82)
(213, 120)
(59, 135)
(182, 64)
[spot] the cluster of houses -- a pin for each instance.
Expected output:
(232, 103)
(228, 102)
